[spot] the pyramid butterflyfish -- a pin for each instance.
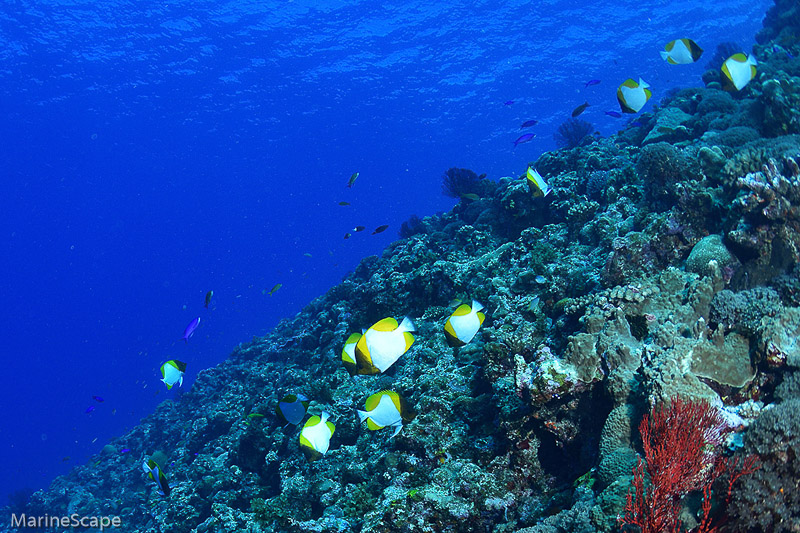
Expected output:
(291, 409)
(737, 71)
(386, 409)
(681, 52)
(172, 373)
(536, 183)
(315, 438)
(463, 324)
(383, 344)
(632, 96)
(157, 476)
(349, 353)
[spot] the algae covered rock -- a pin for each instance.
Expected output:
(710, 248)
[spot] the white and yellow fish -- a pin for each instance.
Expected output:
(536, 183)
(737, 71)
(632, 96)
(315, 438)
(386, 409)
(172, 373)
(681, 52)
(349, 353)
(463, 324)
(383, 344)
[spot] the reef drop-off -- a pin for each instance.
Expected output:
(662, 264)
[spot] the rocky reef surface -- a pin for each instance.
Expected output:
(663, 264)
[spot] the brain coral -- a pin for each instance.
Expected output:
(710, 248)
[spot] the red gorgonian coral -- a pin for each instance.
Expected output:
(681, 446)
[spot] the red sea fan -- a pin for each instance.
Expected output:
(681, 443)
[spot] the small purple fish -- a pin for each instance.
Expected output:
(124, 450)
(524, 138)
(189, 331)
(508, 102)
(98, 398)
(615, 114)
(529, 123)
(89, 409)
(591, 82)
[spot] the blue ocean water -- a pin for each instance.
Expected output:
(151, 152)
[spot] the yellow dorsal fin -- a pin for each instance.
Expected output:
(462, 310)
(387, 324)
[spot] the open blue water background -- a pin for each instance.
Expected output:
(152, 151)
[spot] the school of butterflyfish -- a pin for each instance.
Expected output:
(375, 349)
(371, 352)
(737, 71)
(632, 94)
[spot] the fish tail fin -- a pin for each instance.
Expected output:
(407, 325)
(362, 415)
(476, 306)
(664, 55)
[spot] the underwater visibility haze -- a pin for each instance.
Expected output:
(414, 266)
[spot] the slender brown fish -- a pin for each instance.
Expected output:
(580, 109)
(380, 229)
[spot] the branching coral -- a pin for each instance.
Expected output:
(681, 442)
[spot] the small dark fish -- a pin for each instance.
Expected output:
(580, 109)
(591, 82)
(636, 124)
(524, 138)
(209, 295)
(65, 459)
(89, 409)
(124, 450)
(529, 123)
(346, 236)
(359, 228)
(471, 196)
(344, 203)
(98, 399)
(352, 180)
(615, 114)
(274, 289)
(508, 102)
(189, 331)
(482, 176)
(380, 229)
